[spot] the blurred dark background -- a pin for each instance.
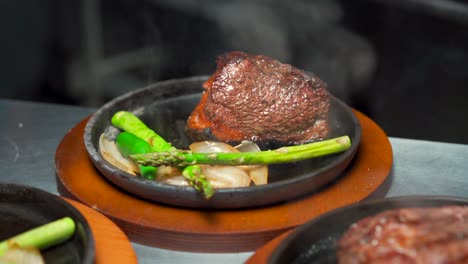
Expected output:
(402, 63)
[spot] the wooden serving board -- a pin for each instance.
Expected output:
(111, 243)
(163, 226)
(262, 254)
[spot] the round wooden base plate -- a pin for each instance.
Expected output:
(163, 226)
(264, 252)
(112, 245)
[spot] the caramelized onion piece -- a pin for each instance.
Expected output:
(211, 146)
(226, 176)
(165, 173)
(247, 146)
(257, 173)
(111, 154)
(15, 254)
(178, 180)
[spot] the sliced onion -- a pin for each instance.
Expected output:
(167, 171)
(211, 146)
(247, 146)
(226, 176)
(15, 254)
(178, 180)
(111, 154)
(221, 176)
(257, 173)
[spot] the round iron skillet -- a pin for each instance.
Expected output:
(315, 241)
(23, 208)
(165, 107)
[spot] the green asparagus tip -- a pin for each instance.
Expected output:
(118, 115)
(43, 236)
(344, 140)
(197, 180)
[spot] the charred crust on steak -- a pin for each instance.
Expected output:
(257, 98)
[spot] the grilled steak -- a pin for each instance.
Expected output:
(417, 235)
(257, 98)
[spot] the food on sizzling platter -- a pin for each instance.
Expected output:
(141, 151)
(410, 235)
(257, 98)
(292, 110)
(26, 247)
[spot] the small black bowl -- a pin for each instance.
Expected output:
(165, 107)
(316, 240)
(23, 208)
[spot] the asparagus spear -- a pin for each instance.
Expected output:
(129, 144)
(42, 237)
(127, 121)
(282, 155)
(194, 176)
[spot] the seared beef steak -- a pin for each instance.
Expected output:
(257, 98)
(416, 235)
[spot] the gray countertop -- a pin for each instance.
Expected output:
(30, 133)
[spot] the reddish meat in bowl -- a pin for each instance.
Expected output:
(410, 235)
